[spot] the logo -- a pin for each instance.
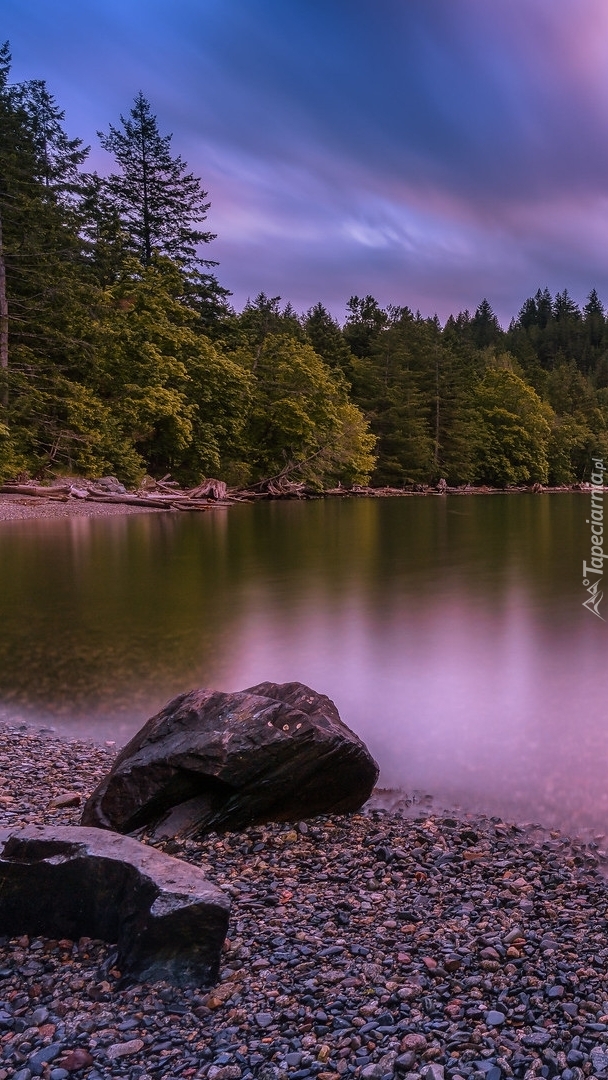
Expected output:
(594, 570)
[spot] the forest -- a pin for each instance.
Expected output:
(121, 353)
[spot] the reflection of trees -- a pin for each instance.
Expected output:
(120, 613)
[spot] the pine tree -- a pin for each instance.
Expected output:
(159, 202)
(326, 338)
(58, 157)
(485, 326)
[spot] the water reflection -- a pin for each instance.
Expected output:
(450, 633)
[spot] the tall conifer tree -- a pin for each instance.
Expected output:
(161, 204)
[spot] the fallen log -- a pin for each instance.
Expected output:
(131, 500)
(38, 491)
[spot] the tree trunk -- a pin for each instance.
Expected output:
(436, 450)
(3, 326)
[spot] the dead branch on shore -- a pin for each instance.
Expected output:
(106, 492)
(166, 494)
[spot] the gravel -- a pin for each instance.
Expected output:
(18, 508)
(375, 945)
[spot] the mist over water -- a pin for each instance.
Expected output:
(450, 633)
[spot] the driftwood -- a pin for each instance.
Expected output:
(283, 488)
(165, 494)
(36, 489)
(210, 489)
(90, 493)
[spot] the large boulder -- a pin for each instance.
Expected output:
(210, 760)
(168, 920)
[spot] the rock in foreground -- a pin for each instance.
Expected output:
(168, 920)
(211, 760)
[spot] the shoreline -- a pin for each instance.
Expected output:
(26, 507)
(19, 507)
(368, 945)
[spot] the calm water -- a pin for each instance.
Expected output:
(449, 631)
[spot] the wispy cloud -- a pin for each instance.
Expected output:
(429, 152)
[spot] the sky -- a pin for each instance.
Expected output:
(429, 152)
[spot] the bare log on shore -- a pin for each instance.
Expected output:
(90, 493)
(166, 494)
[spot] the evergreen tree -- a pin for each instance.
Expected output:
(259, 319)
(43, 303)
(58, 157)
(485, 328)
(326, 338)
(159, 201)
(364, 323)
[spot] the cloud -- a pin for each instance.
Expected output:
(437, 151)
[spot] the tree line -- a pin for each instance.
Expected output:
(120, 352)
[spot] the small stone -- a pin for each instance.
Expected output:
(119, 1050)
(76, 1059)
(69, 798)
(432, 1072)
(220, 995)
(537, 1039)
(372, 1072)
(404, 1062)
(413, 1042)
(599, 1059)
(263, 1019)
(387, 1062)
(40, 1058)
(495, 1018)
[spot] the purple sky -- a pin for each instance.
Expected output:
(431, 152)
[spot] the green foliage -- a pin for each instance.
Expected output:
(123, 355)
(327, 339)
(178, 401)
(158, 200)
(301, 422)
(512, 431)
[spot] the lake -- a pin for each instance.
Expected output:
(449, 631)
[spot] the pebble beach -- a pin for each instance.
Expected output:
(25, 507)
(398, 942)
(383, 944)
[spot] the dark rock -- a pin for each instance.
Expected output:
(495, 1018)
(38, 1060)
(536, 1039)
(211, 760)
(168, 920)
